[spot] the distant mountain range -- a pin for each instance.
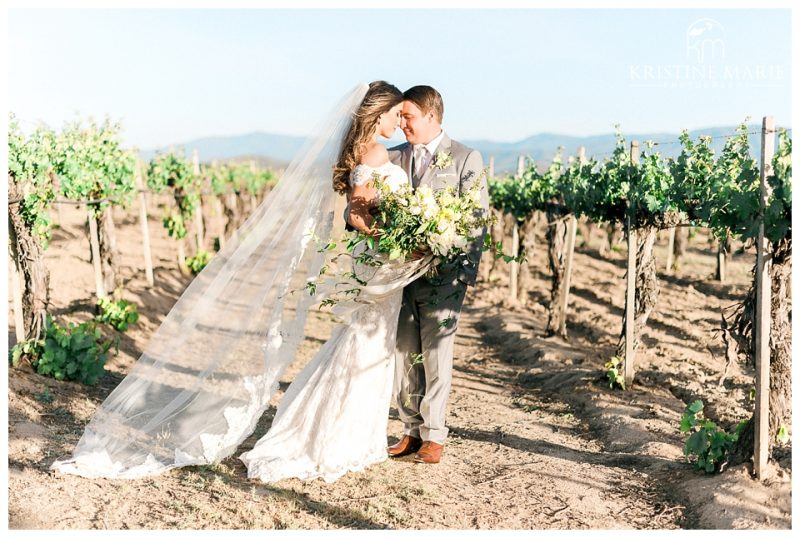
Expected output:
(276, 150)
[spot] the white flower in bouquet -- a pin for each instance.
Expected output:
(441, 243)
(460, 242)
(444, 225)
(427, 202)
(474, 197)
(447, 198)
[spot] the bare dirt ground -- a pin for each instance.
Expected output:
(538, 440)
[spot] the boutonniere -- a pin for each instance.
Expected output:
(442, 160)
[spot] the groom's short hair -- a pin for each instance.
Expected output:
(427, 99)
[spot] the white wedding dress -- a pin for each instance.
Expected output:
(208, 373)
(333, 417)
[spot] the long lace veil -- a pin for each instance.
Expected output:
(209, 371)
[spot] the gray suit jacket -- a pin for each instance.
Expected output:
(465, 169)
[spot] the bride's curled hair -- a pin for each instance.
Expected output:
(380, 98)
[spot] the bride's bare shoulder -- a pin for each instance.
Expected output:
(375, 155)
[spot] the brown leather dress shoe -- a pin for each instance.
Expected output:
(406, 445)
(430, 452)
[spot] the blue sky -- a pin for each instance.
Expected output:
(179, 74)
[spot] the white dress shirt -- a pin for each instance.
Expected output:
(423, 154)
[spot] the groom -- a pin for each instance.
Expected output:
(431, 306)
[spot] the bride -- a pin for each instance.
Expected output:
(210, 370)
(334, 416)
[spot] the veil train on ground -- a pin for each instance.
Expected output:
(207, 374)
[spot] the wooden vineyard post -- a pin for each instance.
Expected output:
(181, 250)
(233, 203)
(721, 261)
(514, 265)
(148, 257)
(670, 249)
(198, 214)
(220, 213)
(251, 196)
(109, 216)
(111, 234)
(182, 257)
(16, 283)
(572, 230)
(763, 302)
(630, 292)
(513, 284)
(94, 240)
(60, 210)
(488, 261)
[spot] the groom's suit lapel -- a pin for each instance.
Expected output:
(401, 156)
(405, 160)
(437, 178)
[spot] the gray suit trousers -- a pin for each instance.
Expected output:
(427, 326)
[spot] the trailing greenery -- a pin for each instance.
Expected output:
(119, 314)
(73, 352)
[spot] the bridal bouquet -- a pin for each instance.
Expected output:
(439, 222)
(422, 228)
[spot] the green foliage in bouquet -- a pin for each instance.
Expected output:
(441, 221)
(410, 225)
